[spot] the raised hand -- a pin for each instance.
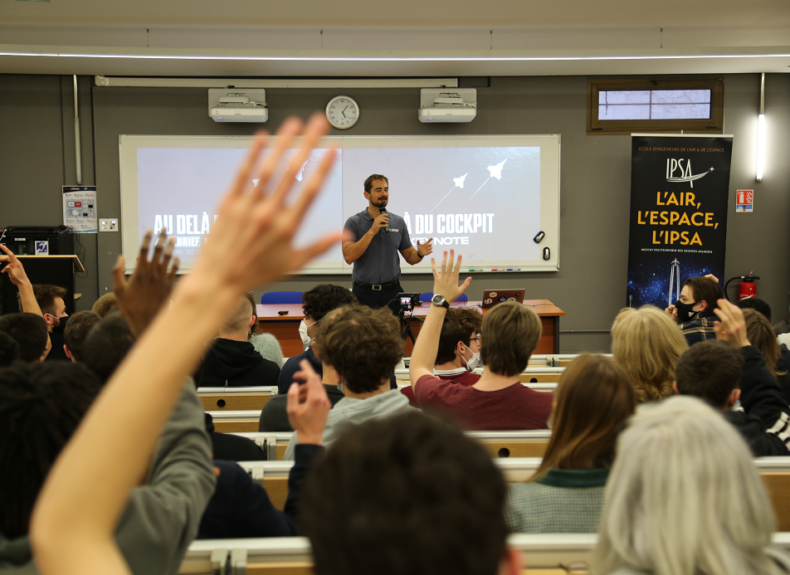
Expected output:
(672, 312)
(150, 285)
(731, 326)
(14, 268)
(445, 278)
(308, 405)
(425, 249)
(251, 243)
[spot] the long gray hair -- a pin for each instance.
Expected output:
(684, 497)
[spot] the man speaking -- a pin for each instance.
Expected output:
(378, 237)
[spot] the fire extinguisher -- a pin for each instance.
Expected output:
(746, 289)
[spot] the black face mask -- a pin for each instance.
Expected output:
(61, 327)
(685, 311)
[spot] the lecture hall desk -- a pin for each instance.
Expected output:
(286, 327)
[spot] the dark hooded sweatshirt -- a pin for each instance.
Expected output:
(237, 364)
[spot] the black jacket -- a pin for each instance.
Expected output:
(229, 447)
(765, 418)
(783, 365)
(274, 416)
(292, 366)
(237, 364)
(242, 508)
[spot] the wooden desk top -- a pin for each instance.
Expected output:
(268, 312)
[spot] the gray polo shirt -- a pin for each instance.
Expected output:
(379, 264)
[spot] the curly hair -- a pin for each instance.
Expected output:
(41, 405)
(323, 298)
(362, 344)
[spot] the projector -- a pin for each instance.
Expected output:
(447, 105)
(237, 105)
(239, 114)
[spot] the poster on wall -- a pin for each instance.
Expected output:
(79, 209)
(679, 196)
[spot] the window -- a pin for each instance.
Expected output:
(624, 105)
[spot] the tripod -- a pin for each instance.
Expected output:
(405, 322)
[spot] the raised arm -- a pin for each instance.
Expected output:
(251, 245)
(16, 273)
(445, 283)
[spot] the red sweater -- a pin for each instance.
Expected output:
(466, 379)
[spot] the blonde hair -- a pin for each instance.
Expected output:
(647, 344)
(684, 497)
(105, 304)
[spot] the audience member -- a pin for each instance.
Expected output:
(83, 498)
(264, 343)
(756, 304)
(107, 344)
(362, 346)
(693, 311)
(9, 350)
(685, 497)
(647, 345)
(105, 304)
(593, 401)
(232, 361)
(498, 400)
(50, 300)
(316, 303)
(712, 371)
(762, 335)
(30, 332)
(15, 272)
(274, 416)
(80, 324)
(407, 474)
(459, 349)
(242, 508)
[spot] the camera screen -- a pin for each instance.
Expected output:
(405, 300)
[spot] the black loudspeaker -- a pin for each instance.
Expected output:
(22, 240)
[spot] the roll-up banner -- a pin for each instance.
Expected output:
(679, 191)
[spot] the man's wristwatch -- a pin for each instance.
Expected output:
(440, 301)
(419, 255)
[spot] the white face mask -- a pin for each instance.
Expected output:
(306, 339)
(472, 362)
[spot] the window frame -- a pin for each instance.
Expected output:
(712, 125)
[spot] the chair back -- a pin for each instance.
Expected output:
(282, 297)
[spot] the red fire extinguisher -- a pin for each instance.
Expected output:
(746, 289)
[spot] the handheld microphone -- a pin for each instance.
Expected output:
(387, 229)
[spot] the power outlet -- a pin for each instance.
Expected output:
(108, 225)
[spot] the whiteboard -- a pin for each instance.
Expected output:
(487, 197)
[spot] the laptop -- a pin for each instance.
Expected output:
(491, 297)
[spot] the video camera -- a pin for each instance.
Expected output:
(409, 300)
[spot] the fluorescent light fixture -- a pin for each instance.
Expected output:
(761, 132)
(390, 58)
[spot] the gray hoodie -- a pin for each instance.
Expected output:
(161, 518)
(350, 410)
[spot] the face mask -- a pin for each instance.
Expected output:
(685, 311)
(306, 339)
(472, 362)
(61, 327)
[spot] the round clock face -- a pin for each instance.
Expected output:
(342, 112)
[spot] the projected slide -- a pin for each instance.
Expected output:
(487, 197)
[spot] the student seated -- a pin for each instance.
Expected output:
(50, 300)
(723, 372)
(80, 506)
(316, 303)
(685, 497)
(362, 346)
(242, 508)
(407, 495)
(693, 312)
(232, 361)
(593, 401)
(77, 330)
(647, 345)
(762, 335)
(29, 331)
(498, 401)
(105, 304)
(107, 344)
(459, 349)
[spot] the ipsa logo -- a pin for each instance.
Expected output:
(682, 167)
